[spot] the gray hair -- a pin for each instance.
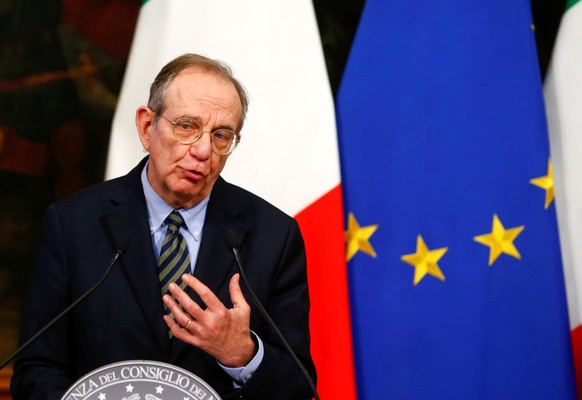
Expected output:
(160, 85)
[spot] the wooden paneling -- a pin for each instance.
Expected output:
(5, 375)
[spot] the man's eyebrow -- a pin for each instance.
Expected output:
(194, 118)
(226, 126)
(199, 120)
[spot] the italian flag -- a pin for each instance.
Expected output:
(288, 152)
(563, 93)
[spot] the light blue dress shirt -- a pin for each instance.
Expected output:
(158, 211)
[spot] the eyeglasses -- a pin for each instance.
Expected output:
(188, 131)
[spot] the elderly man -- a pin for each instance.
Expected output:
(175, 296)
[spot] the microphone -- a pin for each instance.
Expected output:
(121, 245)
(233, 243)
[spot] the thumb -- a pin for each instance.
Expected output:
(236, 295)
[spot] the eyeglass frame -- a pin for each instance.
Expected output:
(233, 145)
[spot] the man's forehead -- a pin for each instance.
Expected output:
(197, 86)
(195, 81)
(202, 74)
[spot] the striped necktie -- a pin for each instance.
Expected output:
(174, 259)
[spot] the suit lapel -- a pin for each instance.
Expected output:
(216, 264)
(129, 217)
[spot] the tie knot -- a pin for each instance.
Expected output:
(175, 221)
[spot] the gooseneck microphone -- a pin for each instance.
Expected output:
(121, 246)
(233, 243)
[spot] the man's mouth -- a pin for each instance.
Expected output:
(193, 174)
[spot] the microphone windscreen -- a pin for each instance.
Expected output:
(122, 242)
(231, 239)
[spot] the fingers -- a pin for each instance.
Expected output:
(182, 314)
(207, 296)
(182, 310)
(221, 332)
(182, 332)
(173, 325)
(185, 309)
(186, 304)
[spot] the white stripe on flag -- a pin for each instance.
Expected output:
(563, 93)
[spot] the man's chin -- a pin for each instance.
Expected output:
(190, 196)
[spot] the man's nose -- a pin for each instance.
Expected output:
(202, 148)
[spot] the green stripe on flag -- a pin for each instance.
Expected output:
(569, 3)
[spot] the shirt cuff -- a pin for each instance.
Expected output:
(241, 375)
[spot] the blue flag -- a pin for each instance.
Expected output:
(456, 282)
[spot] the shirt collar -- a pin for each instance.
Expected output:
(158, 209)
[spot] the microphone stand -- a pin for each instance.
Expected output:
(53, 321)
(231, 242)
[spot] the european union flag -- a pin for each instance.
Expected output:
(456, 281)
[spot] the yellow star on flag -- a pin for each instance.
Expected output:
(357, 238)
(546, 183)
(425, 261)
(500, 240)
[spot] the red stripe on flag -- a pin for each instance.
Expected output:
(322, 228)
(577, 354)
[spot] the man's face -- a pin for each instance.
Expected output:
(183, 175)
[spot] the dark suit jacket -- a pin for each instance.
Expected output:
(122, 319)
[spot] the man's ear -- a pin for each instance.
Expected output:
(144, 122)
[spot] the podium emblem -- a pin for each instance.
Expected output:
(140, 380)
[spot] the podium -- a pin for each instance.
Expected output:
(139, 380)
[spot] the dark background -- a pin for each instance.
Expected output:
(61, 68)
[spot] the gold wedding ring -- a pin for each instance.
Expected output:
(188, 324)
